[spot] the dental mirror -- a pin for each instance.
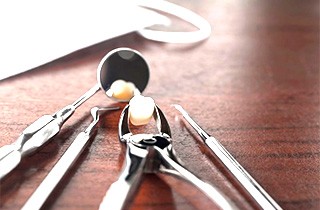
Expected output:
(122, 64)
(119, 64)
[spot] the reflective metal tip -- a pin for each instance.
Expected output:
(204, 135)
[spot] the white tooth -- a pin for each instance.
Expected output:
(141, 110)
(122, 90)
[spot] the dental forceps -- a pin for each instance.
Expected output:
(67, 160)
(152, 153)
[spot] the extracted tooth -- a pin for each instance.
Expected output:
(122, 90)
(141, 110)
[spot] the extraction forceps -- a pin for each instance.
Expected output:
(152, 153)
(64, 164)
(262, 198)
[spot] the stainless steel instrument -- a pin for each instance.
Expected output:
(121, 63)
(152, 153)
(262, 198)
(67, 160)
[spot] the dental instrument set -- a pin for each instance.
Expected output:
(123, 74)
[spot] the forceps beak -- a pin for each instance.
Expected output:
(136, 161)
(161, 123)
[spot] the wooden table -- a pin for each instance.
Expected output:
(254, 85)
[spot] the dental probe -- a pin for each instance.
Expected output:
(263, 199)
(65, 163)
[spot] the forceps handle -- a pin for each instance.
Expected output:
(116, 196)
(46, 187)
(122, 190)
(214, 194)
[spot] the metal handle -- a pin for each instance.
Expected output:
(65, 163)
(38, 133)
(263, 199)
(122, 190)
(10, 158)
(33, 137)
(214, 194)
(244, 178)
(42, 130)
(116, 196)
(38, 198)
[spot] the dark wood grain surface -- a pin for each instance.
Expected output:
(254, 85)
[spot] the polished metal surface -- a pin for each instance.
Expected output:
(33, 137)
(262, 198)
(121, 63)
(152, 153)
(67, 160)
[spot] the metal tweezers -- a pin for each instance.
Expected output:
(152, 153)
